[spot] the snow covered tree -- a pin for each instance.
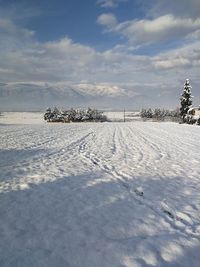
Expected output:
(186, 99)
(74, 115)
(146, 113)
(159, 114)
(198, 121)
(48, 114)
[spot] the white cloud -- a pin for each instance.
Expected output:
(109, 3)
(109, 20)
(172, 63)
(183, 8)
(187, 57)
(63, 65)
(148, 31)
(7, 26)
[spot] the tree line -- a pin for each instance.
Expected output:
(184, 114)
(160, 114)
(74, 115)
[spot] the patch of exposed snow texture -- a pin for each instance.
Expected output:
(99, 194)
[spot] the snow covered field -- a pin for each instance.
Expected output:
(99, 194)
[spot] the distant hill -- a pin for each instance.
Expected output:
(37, 97)
(33, 97)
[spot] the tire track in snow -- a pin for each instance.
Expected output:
(169, 147)
(176, 222)
(50, 162)
(48, 155)
(108, 148)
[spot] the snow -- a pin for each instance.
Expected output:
(118, 116)
(22, 118)
(99, 194)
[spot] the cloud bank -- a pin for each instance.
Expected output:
(147, 31)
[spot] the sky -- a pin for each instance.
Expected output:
(106, 53)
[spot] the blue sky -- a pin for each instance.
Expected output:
(102, 48)
(55, 19)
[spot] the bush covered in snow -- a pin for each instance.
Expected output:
(192, 119)
(74, 115)
(160, 114)
(146, 113)
(193, 116)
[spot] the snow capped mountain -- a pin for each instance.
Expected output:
(36, 96)
(33, 96)
(100, 90)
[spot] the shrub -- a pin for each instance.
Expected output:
(160, 114)
(79, 115)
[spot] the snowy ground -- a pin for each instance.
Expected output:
(22, 118)
(38, 117)
(99, 195)
(119, 116)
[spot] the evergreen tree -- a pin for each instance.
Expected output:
(186, 99)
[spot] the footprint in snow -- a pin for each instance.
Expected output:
(166, 209)
(139, 191)
(178, 216)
